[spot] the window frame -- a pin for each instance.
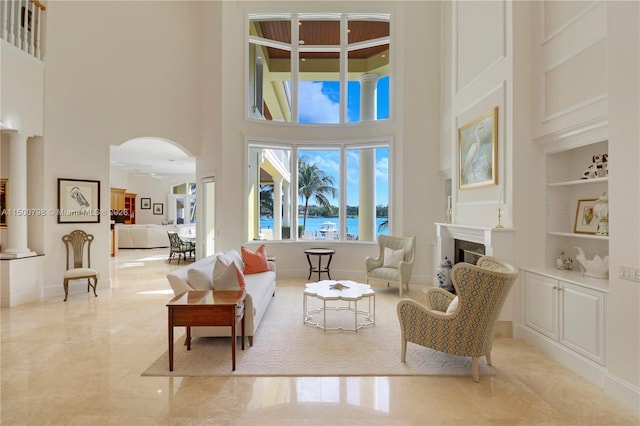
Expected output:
(344, 48)
(301, 145)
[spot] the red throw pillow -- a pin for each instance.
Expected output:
(255, 262)
(241, 282)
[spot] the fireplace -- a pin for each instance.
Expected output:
(467, 251)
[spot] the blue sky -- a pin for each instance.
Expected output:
(329, 160)
(322, 105)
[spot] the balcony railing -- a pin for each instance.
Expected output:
(21, 25)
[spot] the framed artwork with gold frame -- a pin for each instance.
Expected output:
(478, 151)
(586, 221)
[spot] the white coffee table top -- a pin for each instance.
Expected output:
(351, 290)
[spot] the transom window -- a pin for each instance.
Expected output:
(331, 68)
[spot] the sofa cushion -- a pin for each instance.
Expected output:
(201, 277)
(227, 276)
(229, 256)
(392, 258)
(255, 262)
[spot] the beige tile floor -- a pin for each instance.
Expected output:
(79, 363)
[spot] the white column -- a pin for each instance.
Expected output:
(286, 204)
(17, 227)
(367, 189)
(277, 207)
(5, 20)
(36, 27)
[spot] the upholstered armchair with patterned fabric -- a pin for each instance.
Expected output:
(460, 325)
(394, 263)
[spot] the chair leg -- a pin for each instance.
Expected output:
(474, 369)
(95, 284)
(403, 348)
(66, 290)
(488, 357)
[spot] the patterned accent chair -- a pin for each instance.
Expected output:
(399, 274)
(180, 247)
(460, 325)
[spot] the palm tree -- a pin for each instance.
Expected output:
(313, 182)
(266, 199)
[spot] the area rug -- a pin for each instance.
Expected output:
(285, 346)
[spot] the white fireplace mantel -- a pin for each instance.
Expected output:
(497, 242)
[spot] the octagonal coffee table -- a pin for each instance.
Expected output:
(340, 291)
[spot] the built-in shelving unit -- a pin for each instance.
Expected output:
(565, 188)
(565, 311)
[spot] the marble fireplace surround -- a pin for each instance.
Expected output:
(497, 242)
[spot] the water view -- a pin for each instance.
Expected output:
(314, 224)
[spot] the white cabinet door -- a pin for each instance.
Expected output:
(541, 304)
(582, 313)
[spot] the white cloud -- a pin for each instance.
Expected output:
(315, 106)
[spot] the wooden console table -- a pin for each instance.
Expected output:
(206, 308)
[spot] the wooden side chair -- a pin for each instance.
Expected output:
(77, 243)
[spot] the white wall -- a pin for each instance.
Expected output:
(623, 317)
(22, 83)
(157, 190)
(133, 72)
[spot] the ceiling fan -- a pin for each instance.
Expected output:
(152, 175)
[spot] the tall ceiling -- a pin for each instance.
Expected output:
(151, 157)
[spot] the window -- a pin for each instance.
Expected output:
(182, 204)
(331, 68)
(339, 191)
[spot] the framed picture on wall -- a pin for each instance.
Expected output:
(3, 203)
(145, 203)
(158, 208)
(478, 151)
(78, 201)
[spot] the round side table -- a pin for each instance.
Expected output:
(319, 252)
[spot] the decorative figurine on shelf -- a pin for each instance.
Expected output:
(603, 170)
(564, 262)
(596, 268)
(444, 275)
(596, 168)
(601, 212)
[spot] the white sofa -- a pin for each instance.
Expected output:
(150, 235)
(142, 236)
(260, 287)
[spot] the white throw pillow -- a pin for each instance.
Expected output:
(453, 305)
(200, 278)
(392, 258)
(225, 277)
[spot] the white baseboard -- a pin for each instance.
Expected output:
(624, 393)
